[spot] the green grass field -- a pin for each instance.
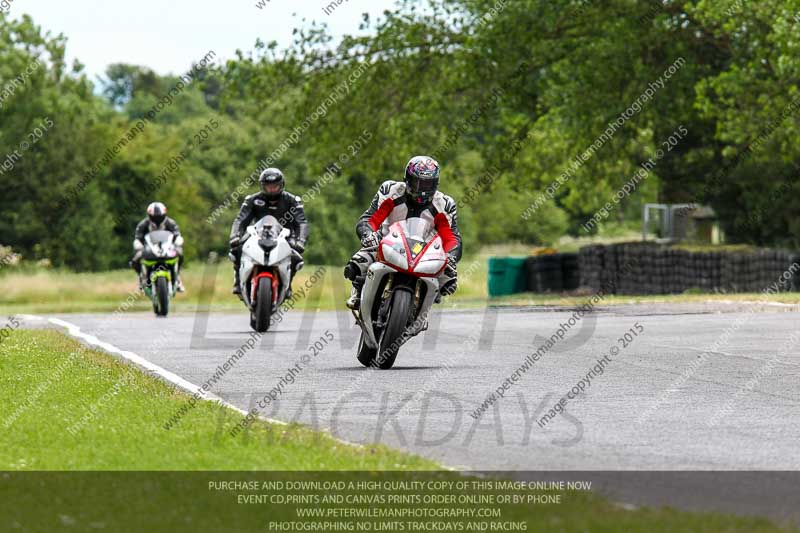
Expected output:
(67, 407)
(53, 291)
(37, 290)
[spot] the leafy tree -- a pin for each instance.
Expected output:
(505, 94)
(33, 217)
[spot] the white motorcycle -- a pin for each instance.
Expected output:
(399, 290)
(266, 269)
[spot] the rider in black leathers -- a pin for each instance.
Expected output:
(272, 200)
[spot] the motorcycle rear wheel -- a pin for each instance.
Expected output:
(263, 310)
(395, 326)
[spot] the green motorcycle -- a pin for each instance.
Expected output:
(159, 270)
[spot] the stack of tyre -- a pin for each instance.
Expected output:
(707, 271)
(570, 269)
(666, 279)
(544, 273)
(736, 272)
(680, 263)
(623, 275)
(629, 268)
(652, 268)
(646, 268)
(775, 266)
(553, 273)
(643, 271)
(767, 269)
(590, 264)
(614, 256)
(794, 264)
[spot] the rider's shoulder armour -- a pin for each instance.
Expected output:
(391, 190)
(293, 198)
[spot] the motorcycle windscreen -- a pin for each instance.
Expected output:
(418, 232)
(417, 229)
(160, 236)
(159, 245)
(269, 226)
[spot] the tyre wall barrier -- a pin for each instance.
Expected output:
(552, 273)
(658, 269)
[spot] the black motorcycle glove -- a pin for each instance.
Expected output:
(449, 288)
(235, 243)
(451, 270)
(298, 245)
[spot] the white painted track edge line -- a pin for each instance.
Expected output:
(75, 331)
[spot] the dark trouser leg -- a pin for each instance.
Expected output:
(136, 265)
(236, 257)
(448, 283)
(136, 262)
(178, 280)
(297, 264)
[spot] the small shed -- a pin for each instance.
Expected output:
(682, 222)
(705, 226)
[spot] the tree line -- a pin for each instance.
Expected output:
(511, 96)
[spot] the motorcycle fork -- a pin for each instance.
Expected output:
(418, 298)
(383, 312)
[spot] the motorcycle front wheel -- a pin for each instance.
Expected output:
(263, 310)
(162, 296)
(391, 338)
(365, 354)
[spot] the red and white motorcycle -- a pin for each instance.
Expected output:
(265, 272)
(399, 290)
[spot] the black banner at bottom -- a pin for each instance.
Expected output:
(397, 501)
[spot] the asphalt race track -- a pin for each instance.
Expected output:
(699, 387)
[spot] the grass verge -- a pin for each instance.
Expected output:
(55, 291)
(64, 406)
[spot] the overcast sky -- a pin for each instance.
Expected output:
(167, 35)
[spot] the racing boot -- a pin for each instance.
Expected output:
(355, 299)
(290, 292)
(354, 302)
(356, 271)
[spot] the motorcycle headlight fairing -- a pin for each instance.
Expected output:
(392, 255)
